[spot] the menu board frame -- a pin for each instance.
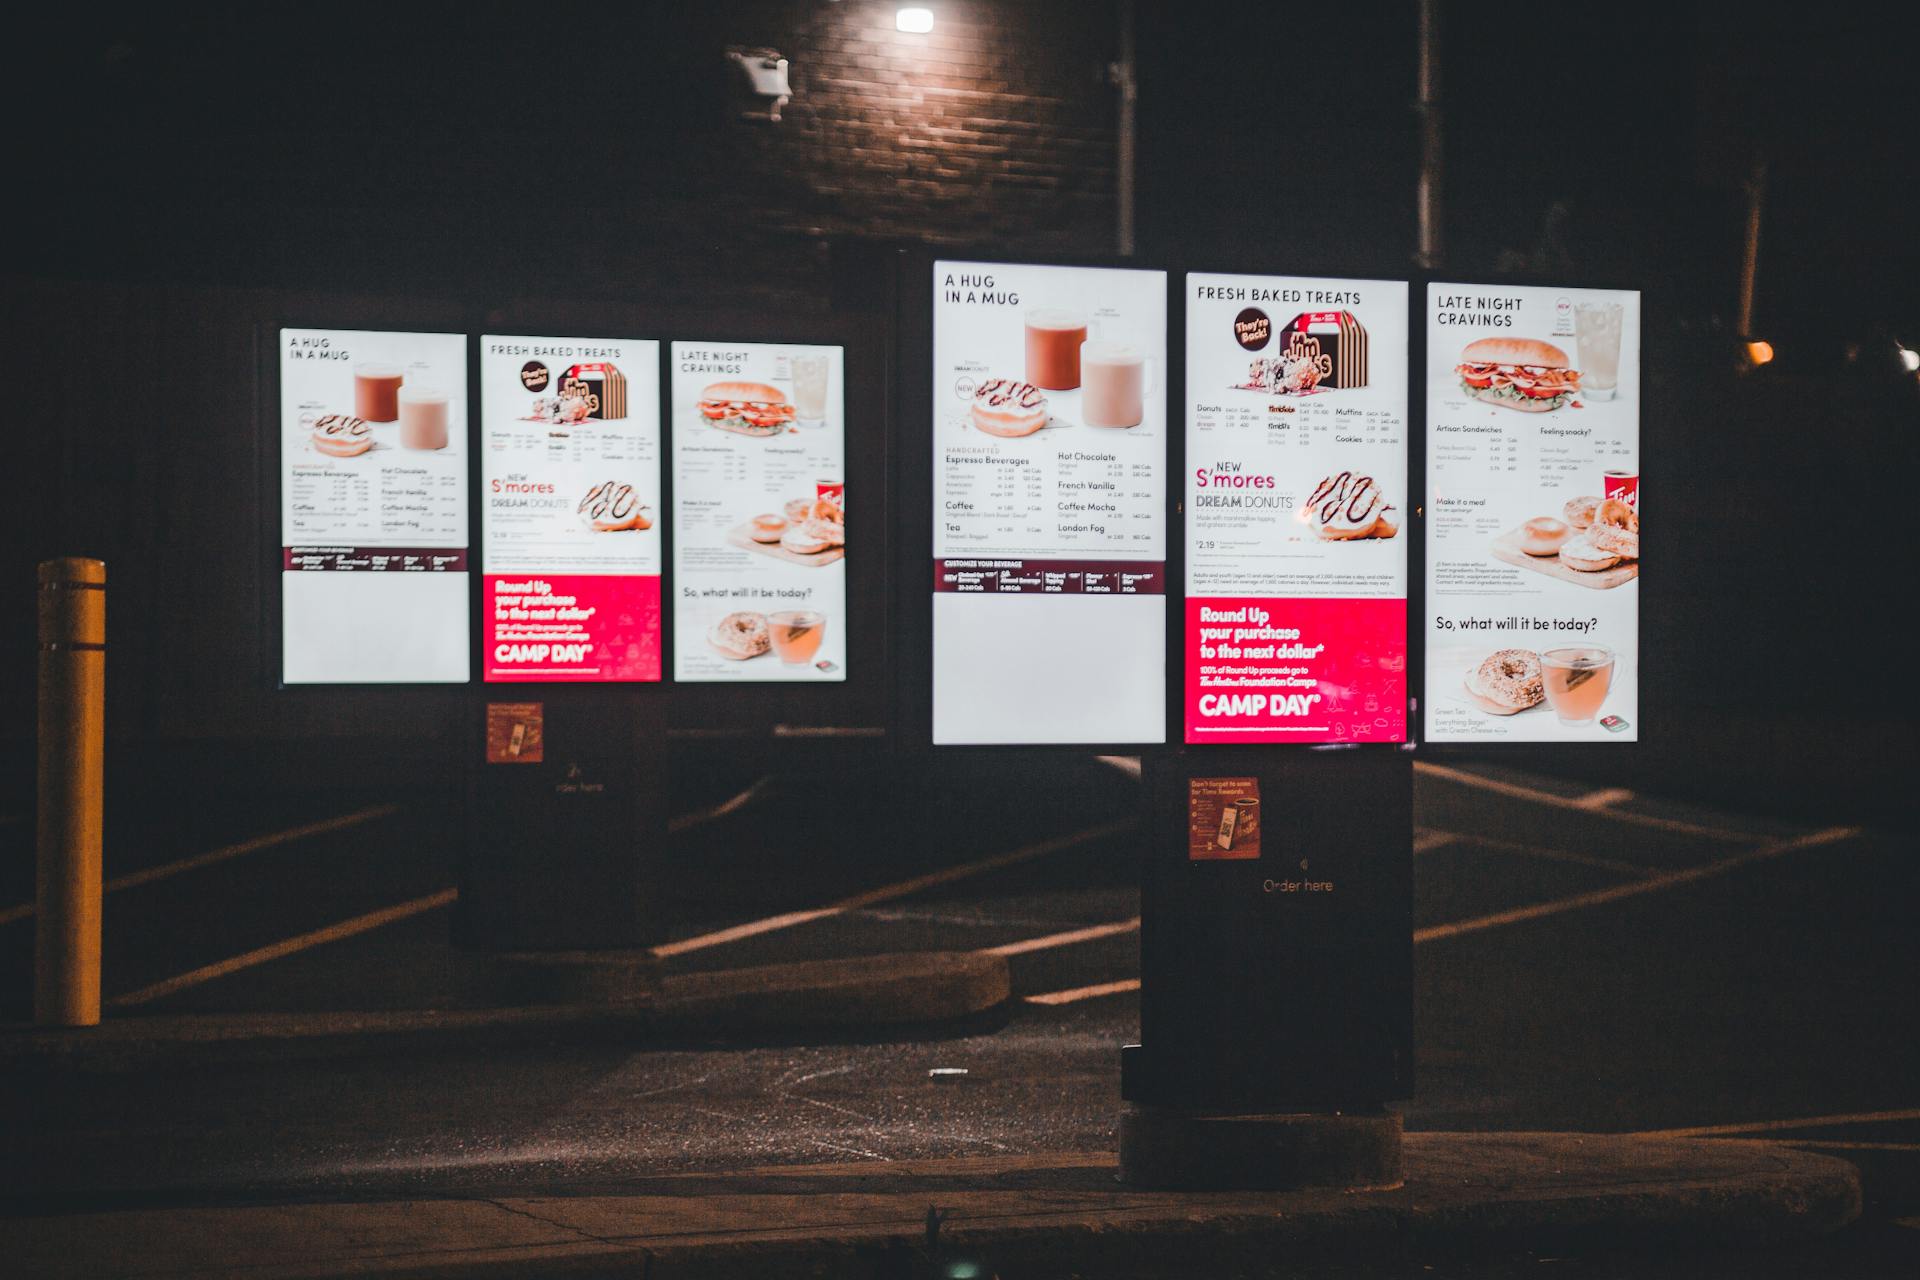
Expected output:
(1549, 754)
(426, 317)
(860, 706)
(648, 412)
(1409, 504)
(913, 533)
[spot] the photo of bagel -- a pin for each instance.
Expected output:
(1592, 542)
(1507, 682)
(740, 636)
(809, 531)
(746, 408)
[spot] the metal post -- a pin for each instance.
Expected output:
(72, 731)
(1428, 107)
(1122, 75)
(1750, 260)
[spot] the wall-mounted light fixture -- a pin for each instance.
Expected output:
(766, 80)
(913, 20)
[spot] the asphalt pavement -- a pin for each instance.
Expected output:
(1588, 959)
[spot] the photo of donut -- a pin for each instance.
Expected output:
(1008, 408)
(612, 507)
(1348, 506)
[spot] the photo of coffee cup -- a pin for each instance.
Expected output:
(1054, 339)
(376, 391)
(1115, 379)
(423, 418)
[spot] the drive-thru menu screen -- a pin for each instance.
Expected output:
(1296, 501)
(1049, 504)
(570, 502)
(760, 512)
(373, 507)
(1533, 542)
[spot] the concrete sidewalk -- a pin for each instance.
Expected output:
(1466, 1195)
(862, 997)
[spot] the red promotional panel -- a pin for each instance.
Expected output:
(1264, 670)
(555, 628)
(570, 482)
(1296, 616)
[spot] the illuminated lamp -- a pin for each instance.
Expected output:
(913, 20)
(1759, 352)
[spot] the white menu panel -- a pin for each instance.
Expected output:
(1533, 505)
(373, 507)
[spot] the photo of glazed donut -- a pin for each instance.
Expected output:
(1348, 506)
(612, 507)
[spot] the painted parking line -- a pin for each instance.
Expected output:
(1545, 853)
(1783, 1126)
(889, 892)
(224, 853)
(1076, 994)
(1469, 779)
(1067, 939)
(1651, 884)
(286, 947)
(733, 804)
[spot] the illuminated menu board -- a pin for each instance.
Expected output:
(1296, 499)
(1049, 504)
(373, 507)
(570, 502)
(760, 512)
(1533, 543)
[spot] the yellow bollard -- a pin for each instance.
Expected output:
(73, 665)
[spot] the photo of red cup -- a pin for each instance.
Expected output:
(1624, 485)
(834, 491)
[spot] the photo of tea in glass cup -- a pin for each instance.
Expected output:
(1577, 680)
(797, 634)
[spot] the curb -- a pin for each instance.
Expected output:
(919, 990)
(1491, 1195)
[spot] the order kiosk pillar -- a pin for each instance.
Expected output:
(567, 810)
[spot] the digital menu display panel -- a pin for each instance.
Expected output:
(373, 507)
(1533, 542)
(1296, 500)
(760, 512)
(1049, 504)
(570, 502)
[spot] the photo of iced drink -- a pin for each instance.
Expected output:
(423, 418)
(1577, 680)
(1054, 339)
(1596, 327)
(376, 391)
(797, 634)
(810, 390)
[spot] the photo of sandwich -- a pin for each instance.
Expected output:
(1593, 542)
(803, 532)
(747, 408)
(1523, 374)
